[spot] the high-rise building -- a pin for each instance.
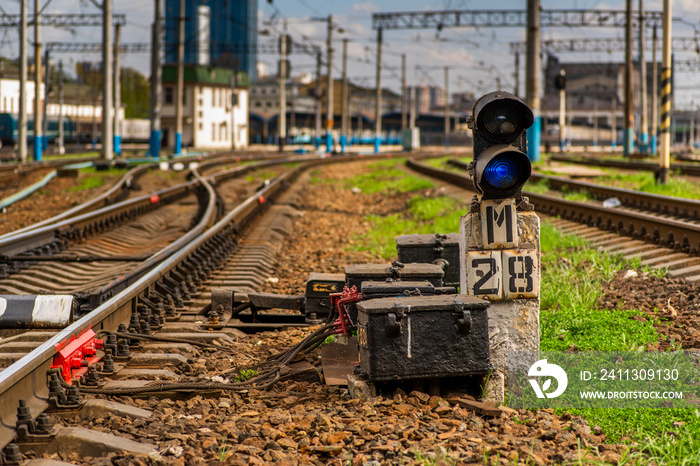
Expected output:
(220, 33)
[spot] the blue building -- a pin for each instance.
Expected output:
(218, 33)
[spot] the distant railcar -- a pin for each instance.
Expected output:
(9, 129)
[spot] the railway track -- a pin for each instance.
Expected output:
(684, 168)
(212, 243)
(661, 231)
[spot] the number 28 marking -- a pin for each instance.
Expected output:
(506, 274)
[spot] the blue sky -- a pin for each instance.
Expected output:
(475, 57)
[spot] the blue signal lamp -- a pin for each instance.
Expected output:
(501, 167)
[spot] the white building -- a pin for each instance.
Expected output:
(215, 110)
(77, 109)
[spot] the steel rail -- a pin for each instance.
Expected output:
(84, 217)
(110, 196)
(665, 205)
(674, 234)
(117, 192)
(120, 189)
(27, 378)
(209, 216)
(683, 168)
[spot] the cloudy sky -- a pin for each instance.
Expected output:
(475, 56)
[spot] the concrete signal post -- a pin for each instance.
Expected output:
(499, 241)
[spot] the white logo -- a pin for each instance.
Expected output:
(542, 369)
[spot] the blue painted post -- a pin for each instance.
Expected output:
(377, 144)
(329, 142)
(118, 144)
(38, 146)
(154, 144)
(343, 143)
(653, 145)
(178, 143)
(534, 137)
(317, 142)
(644, 143)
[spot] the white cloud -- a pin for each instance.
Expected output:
(365, 7)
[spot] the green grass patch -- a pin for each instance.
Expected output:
(386, 177)
(245, 374)
(83, 155)
(424, 215)
(572, 275)
(644, 181)
(439, 162)
(261, 175)
(537, 187)
(90, 178)
(577, 196)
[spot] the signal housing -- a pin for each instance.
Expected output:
(499, 122)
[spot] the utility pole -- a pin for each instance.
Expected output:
(329, 96)
(532, 85)
(628, 144)
(180, 77)
(644, 124)
(293, 116)
(562, 112)
(666, 68)
(283, 71)
(319, 91)
(447, 107)
(117, 90)
(47, 81)
(93, 131)
(404, 104)
(613, 124)
(414, 107)
(691, 129)
(378, 102)
(654, 95)
(595, 122)
(107, 76)
(61, 147)
(156, 82)
(344, 103)
(516, 91)
(22, 130)
(38, 143)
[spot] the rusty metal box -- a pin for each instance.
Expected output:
(356, 274)
(432, 249)
(423, 337)
(319, 286)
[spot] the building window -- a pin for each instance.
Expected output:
(213, 131)
(168, 95)
(201, 126)
(258, 104)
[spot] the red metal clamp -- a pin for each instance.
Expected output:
(77, 354)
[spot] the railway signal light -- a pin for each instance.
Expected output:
(501, 166)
